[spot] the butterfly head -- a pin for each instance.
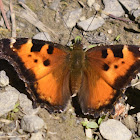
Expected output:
(77, 44)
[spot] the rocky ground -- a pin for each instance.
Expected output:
(100, 22)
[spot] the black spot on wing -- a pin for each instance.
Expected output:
(105, 67)
(104, 53)
(50, 49)
(46, 62)
(29, 55)
(35, 60)
(37, 45)
(123, 62)
(117, 51)
(36, 48)
(115, 66)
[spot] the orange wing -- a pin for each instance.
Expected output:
(44, 66)
(108, 69)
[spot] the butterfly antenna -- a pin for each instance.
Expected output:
(90, 24)
(67, 27)
(46, 36)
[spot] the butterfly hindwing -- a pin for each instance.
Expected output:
(108, 69)
(44, 66)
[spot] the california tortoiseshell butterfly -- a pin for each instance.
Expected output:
(54, 73)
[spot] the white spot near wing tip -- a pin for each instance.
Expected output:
(12, 41)
(29, 40)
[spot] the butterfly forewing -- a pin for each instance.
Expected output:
(44, 66)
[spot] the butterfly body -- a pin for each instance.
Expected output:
(53, 73)
(77, 64)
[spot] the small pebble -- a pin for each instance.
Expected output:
(21, 25)
(20, 131)
(139, 129)
(130, 4)
(8, 99)
(88, 133)
(109, 31)
(112, 7)
(26, 105)
(37, 136)
(54, 5)
(114, 130)
(94, 23)
(136, 13)
(4, 80)
(130, 123)
(24, 1)
(96, 6)
(42, 36)
(138, 117)
(82, 18)
(90, 2)
(72, 17)
(31, 123)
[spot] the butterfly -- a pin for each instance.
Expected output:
(54, 73)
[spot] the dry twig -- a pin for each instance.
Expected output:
(31, 17)
(4, 15)
(13, 20)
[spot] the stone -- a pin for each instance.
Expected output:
(114, 130)
(54, 5)
(97, 6)
(139, 129)
(37, 136)
(136, 13)
(31, 123)
(88, 133)
(26, 105)
(42, 36)
(138, 117)
(130, 123)
(71, 17)
(90, 2)
(112, 7)
(130, 4)
(94, 23)
(23, 1)
(4, 80)
(8, 99)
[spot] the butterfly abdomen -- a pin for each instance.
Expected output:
(77, 58)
